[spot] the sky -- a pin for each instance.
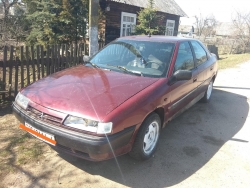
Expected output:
(221, 9)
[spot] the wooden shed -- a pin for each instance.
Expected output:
(121, 16)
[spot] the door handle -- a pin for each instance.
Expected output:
(195, 79)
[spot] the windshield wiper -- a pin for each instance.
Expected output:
(92, 64)
(125, 69)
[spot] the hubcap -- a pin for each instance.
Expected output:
(151, 137)
(209, 89)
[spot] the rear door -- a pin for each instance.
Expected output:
(201, 64)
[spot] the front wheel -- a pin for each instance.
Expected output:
(147, 138)
(208, 93)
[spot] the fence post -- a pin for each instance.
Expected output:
(33, 64)
(52, 62)
(16, 75)
(37, 60)
(71, 54)
(63, 57)
(67, 56)
(4, 70)
(75, 54)
(80, 53)
(22, 71)
(27, 65)
(58, 58)
(48, 60)
(10, 68)
(55, 58)
(42, 60)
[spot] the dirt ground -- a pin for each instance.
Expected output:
(207, 146)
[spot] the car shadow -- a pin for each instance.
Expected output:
(186, 145)
(5, 108)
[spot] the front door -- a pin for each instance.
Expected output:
(182, 92)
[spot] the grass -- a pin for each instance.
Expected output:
(20, 150)
(27, 154)
(228, 61)
(17, 146)
(8, 153)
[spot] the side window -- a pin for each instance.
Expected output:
(184, 60)
(200, 53)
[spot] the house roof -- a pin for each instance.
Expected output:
(167, 6)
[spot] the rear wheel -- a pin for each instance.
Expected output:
(147, 138)
(208, 93)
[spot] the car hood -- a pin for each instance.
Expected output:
(86, 91)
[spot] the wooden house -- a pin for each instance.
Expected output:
(121, 16)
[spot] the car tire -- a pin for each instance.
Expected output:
(147, 138)
(208, 93)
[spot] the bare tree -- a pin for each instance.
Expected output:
(205, 26)
(6, 19)
(241, 23)
(7, 4)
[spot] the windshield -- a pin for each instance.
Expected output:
(143, 58)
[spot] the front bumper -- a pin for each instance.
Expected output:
(79, 144)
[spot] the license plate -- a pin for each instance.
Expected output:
(46, 137)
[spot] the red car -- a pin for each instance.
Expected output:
(120, 99)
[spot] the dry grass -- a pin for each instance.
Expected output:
(227, 61)
(17, 147)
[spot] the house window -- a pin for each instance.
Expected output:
(128, 21)
(170, 27)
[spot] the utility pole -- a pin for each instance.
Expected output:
(93, 27)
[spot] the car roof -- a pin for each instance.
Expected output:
(156, 38)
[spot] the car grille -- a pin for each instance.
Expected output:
(44, 117)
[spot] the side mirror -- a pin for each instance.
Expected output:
(179, 76)
(86, 58)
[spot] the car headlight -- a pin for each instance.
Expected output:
(104, 128)
(88, 125)
(22, 101)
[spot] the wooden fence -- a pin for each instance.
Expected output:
(20, 66)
